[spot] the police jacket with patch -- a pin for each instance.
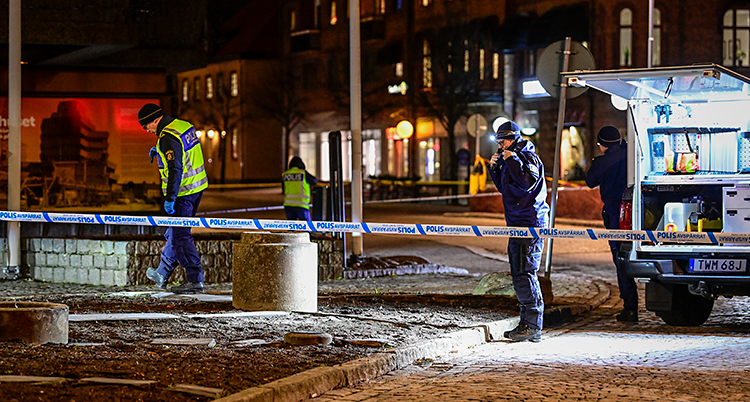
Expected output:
(171, 147)
(520, 179)
(609, 172)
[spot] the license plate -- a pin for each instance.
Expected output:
(717, 265)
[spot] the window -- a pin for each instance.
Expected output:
(293, 21)
(234, 84)
(334, 17)
(425, 3)
(380, 7)
(399, 69)
(185, 89)
(495, 66)
(626, 37)
(656, 49)
(235, 143)
(481, 64)
(220, 90)
(197, 88)
(736, 37)
(209, 87)
(466, 56)
(426, 65)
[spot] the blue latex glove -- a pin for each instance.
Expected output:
(152, 153)
(169, 207)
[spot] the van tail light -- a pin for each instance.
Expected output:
(626, 214)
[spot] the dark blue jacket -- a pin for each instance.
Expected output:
(609, 172)
(520, 179)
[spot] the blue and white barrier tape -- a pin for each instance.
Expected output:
(395, 200)
(383, 228)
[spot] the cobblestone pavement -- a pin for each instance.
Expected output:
(594, 359)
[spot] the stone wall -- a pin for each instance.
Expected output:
(123, 260)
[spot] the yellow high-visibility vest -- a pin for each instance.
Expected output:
(296, 188)
(194, 177)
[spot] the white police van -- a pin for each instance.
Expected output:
(689, 168)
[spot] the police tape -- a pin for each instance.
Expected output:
(394, 200)
(383, 228)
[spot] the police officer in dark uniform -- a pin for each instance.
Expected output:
(183, 179)
(609, 172)
(518, 174)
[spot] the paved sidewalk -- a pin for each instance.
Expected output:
(575, 291)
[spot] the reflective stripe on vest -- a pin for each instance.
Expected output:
(296, 189)
(194, 177)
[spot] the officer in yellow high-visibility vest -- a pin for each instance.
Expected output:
(297, 195)
(183, 179)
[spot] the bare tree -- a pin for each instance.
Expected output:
(455, 80)
(280, 98)
(224, 112)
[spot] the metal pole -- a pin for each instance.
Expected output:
(558, 142)
(650, 33)
(355, 116)
(476, 136)
(14, 136)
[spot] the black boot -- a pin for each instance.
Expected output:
(628, 316)
(188, 287)
(155, 276)
(523, 332)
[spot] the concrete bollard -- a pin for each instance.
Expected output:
(275, 272)
(36, 323)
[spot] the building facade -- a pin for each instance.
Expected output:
(439, 63)
(228, 103)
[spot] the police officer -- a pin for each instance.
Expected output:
(518, 174)
(609, 171)
(183, 179)
(297, 182)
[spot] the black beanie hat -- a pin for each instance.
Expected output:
(608, 136)
(148, 113)
(296, 162)
(508, 131)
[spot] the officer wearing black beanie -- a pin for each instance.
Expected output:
(183, 176)
(609, 172)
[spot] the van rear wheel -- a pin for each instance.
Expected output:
(688, 310)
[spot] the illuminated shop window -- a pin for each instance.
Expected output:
(185, 90)
(209, 87)
(626, 37)
(426, 65)
(334, 17)
(736, 37)
(234, 83)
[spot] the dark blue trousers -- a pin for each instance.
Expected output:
(297, 213)
(525, 256)
(627, 285)
(180, 247)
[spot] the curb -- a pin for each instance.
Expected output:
(319, 380)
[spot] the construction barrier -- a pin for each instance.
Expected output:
(384, 228)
